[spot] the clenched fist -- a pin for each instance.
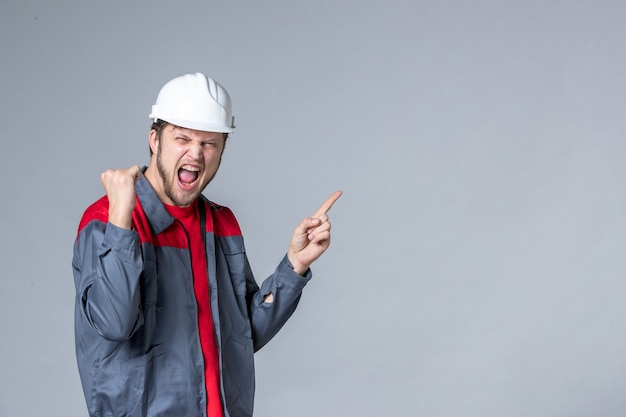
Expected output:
(119, 185)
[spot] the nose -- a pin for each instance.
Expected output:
(195, 150)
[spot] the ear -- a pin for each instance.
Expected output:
(154, 141)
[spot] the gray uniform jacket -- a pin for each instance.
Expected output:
(136, 327)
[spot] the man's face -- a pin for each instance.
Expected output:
(186, 161)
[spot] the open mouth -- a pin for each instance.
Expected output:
(188, 175)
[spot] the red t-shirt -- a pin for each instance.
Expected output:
(190, 218)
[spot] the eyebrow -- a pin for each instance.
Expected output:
(182, 135)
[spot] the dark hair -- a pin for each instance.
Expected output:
(160, 124)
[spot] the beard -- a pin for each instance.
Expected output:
(183, 199)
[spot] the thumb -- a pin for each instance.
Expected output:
(135, 171)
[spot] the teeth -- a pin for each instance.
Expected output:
(190, 168)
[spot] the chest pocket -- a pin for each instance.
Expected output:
(231, 262)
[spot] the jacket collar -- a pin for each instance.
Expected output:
(158, 217)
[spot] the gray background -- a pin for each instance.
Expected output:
(477, 265)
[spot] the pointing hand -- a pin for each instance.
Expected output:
(311, 237)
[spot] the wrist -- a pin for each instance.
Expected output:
(125, 222)
(297, 267)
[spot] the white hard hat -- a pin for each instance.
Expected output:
(195, 101)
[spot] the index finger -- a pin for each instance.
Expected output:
(328, 204)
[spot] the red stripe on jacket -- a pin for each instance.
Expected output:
(221, 221)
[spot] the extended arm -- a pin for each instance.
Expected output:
(280, 293)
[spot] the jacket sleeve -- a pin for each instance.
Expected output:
(268, 318)
(107, 267)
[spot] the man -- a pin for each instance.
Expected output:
(168, 314)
